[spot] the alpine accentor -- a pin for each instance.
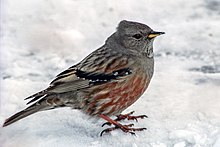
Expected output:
(104, 83)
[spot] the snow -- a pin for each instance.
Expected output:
(41, 38)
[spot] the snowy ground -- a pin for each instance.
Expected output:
(41, 38)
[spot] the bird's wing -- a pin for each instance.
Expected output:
(93, 70)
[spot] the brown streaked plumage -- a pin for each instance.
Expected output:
(104, 83)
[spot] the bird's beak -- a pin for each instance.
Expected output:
(154, 34)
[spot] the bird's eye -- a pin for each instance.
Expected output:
(137, 36)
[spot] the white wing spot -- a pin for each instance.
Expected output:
(116, 73)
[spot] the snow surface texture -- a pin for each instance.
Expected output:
(41, 38)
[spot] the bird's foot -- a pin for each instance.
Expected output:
(127, 116)
(130, 117)
(125, 128)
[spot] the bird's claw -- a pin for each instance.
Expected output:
(126, 116)
(124, 128)
(136, 117)
(106, 123)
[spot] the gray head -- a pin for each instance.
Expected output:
(135, 36)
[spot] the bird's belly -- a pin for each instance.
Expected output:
(114, 97)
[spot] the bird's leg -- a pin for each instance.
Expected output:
(124, 128)
(128, 116)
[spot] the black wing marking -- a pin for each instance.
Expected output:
(99, 78)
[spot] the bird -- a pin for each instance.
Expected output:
(105, 82)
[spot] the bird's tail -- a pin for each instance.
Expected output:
(46, 102)
(24, 113)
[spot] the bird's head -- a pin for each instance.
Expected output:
(136, 36)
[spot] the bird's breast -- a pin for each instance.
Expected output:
(113, 97)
